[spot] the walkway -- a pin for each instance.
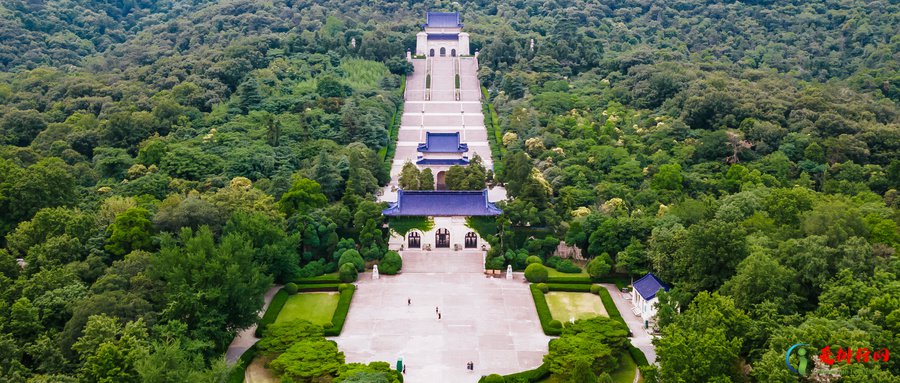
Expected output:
(491, 322)
(441, 113)
(247, 338)
(642, 340)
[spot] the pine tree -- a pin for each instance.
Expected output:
(426, 179)
(410, 177)
(328, 176)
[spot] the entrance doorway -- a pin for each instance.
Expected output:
(414, 240)
(442, 238)
(471, 240)
(453, 52)
(431, 52)
(443, 51)
(441, 181)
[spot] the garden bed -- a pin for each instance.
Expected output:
(565, 305)
(339, 313)
(317, 308)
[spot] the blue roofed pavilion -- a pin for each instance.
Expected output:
(442, 20)
(648, 286)
(442, 203)
(442, 143)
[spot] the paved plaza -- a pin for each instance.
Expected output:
(491, 322)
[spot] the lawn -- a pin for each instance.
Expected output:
(551, 272)
(565, 305)
(317, 308)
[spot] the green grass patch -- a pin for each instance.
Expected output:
(317, 308)
(567, 305)
(363, 75)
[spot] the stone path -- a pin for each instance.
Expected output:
(247, 337)
(642, 340)
(491, 322)
(442, 113)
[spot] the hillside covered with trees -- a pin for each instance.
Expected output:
(163, 161)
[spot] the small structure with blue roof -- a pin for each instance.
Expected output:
(442, 36)
(643, 296)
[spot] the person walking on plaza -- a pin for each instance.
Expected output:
(408, 301)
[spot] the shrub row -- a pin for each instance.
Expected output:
(570, 287)
(236, 375)
(575, 280)
(639, 358)
(272, 311)
(340, 313)
(543, 311)
(322, 279)
(610, 306)
(530, 376)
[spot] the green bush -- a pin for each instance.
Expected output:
(531, 376)
(352, 256)
(348, 273)
(543, 311)
(555, 324)
(494, 378)
(290, 288)
(272, 312)
(533, 259)
(543, 287)
(344, 286)
(391, 264)
(340, 313)
(536, 273)
(566, 266)
(570, 287)
(600, 266)
(574, 280)
(610, 306)
(595, 289)
(322, 279)
(639, 358)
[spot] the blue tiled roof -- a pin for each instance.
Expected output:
(442, 143)
(442, 203)
(436, 161)
(648, 286)
(443, 36)
(442, 20)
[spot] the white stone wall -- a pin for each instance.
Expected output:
(421, 43)
(457, 228)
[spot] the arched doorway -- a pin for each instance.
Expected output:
(431, 52)
(442, 238)
(453, 52)
(443, 51)
(414, 240)
(441, 181)
(471, 240)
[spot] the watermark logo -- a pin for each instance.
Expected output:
(806, 366)
(803, 363)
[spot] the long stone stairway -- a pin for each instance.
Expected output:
(441, 113)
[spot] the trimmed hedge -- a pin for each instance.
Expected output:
(322, 279)
(536, 273)
(574, 280)
(272, 311)
(543, 311)
(340, 313)
(639, 358)
(530, 376)
(610, 306)
(569, 287)
(236, 375)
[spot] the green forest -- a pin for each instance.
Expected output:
(163, 163)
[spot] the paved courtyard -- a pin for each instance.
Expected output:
(491, 322)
